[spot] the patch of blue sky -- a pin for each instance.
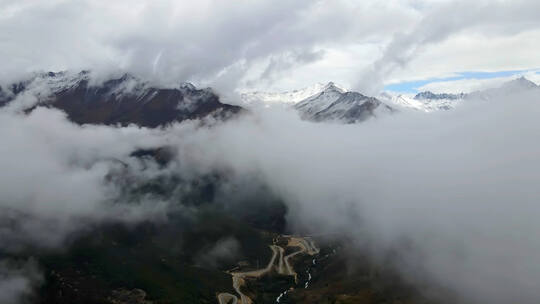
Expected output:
(412, 86)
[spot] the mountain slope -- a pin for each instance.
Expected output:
(336, 105)
(425, 101)
(123, 100)
(428, 101)
(288, 98)
(515, 86)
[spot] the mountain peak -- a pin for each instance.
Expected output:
(331, 86)
(334, 104)
(119, 100)
(520, 82)
(430, 95)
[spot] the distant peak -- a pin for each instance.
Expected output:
(331, 86)
(425, 95)
(431, 95)
(522, 81)
(127, 76)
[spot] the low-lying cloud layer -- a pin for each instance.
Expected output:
(54, 172)
(459, 187)
(17, 279)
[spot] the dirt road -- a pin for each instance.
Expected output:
(284, 267)
(238, 280)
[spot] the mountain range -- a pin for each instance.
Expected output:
(323, 103)
(130, 100)
(337, 105)
(123, 100)
(331, 102)
(428, 101)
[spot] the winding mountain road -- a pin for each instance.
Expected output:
(306, 246)
(238, 280)
(284, 267)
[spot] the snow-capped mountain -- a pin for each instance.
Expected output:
(425, 101)
(337, 105)
(323, 102)
(442, 96)
(123, 100)
(429, 102)
(287, 98)
(508, 88)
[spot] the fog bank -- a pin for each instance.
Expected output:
(455, 193)
(459, 187)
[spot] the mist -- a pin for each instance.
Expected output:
(17, 279)
(458, 187)
(54, 176)
(454, 193)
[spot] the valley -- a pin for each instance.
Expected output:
(303, 245)
(269, 152)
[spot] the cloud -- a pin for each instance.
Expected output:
(236, 45)
(439, 23)
(224, 250)
(458, 187)
(279, 64)
(169, 41)
(18, 279)
(54, 177)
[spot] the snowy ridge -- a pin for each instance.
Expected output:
(511, 87)
(118, 100)
(328, 102)
(320, 101)
(334, 104)
(126, 86)
(420, 104)
(289, 97)
(429, 102)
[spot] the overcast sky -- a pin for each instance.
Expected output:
(272, 45)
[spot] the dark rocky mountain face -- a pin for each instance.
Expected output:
(123, 100)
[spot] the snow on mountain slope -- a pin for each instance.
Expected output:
(508, 88)
(318, 103)
(429, 102)
(124, 100)
(424, 101)
(334, 104)
(288, 98)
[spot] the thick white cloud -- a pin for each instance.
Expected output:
(461, 187)
(53, 180)
(458, 189)
(493, 19)
(265, 44)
